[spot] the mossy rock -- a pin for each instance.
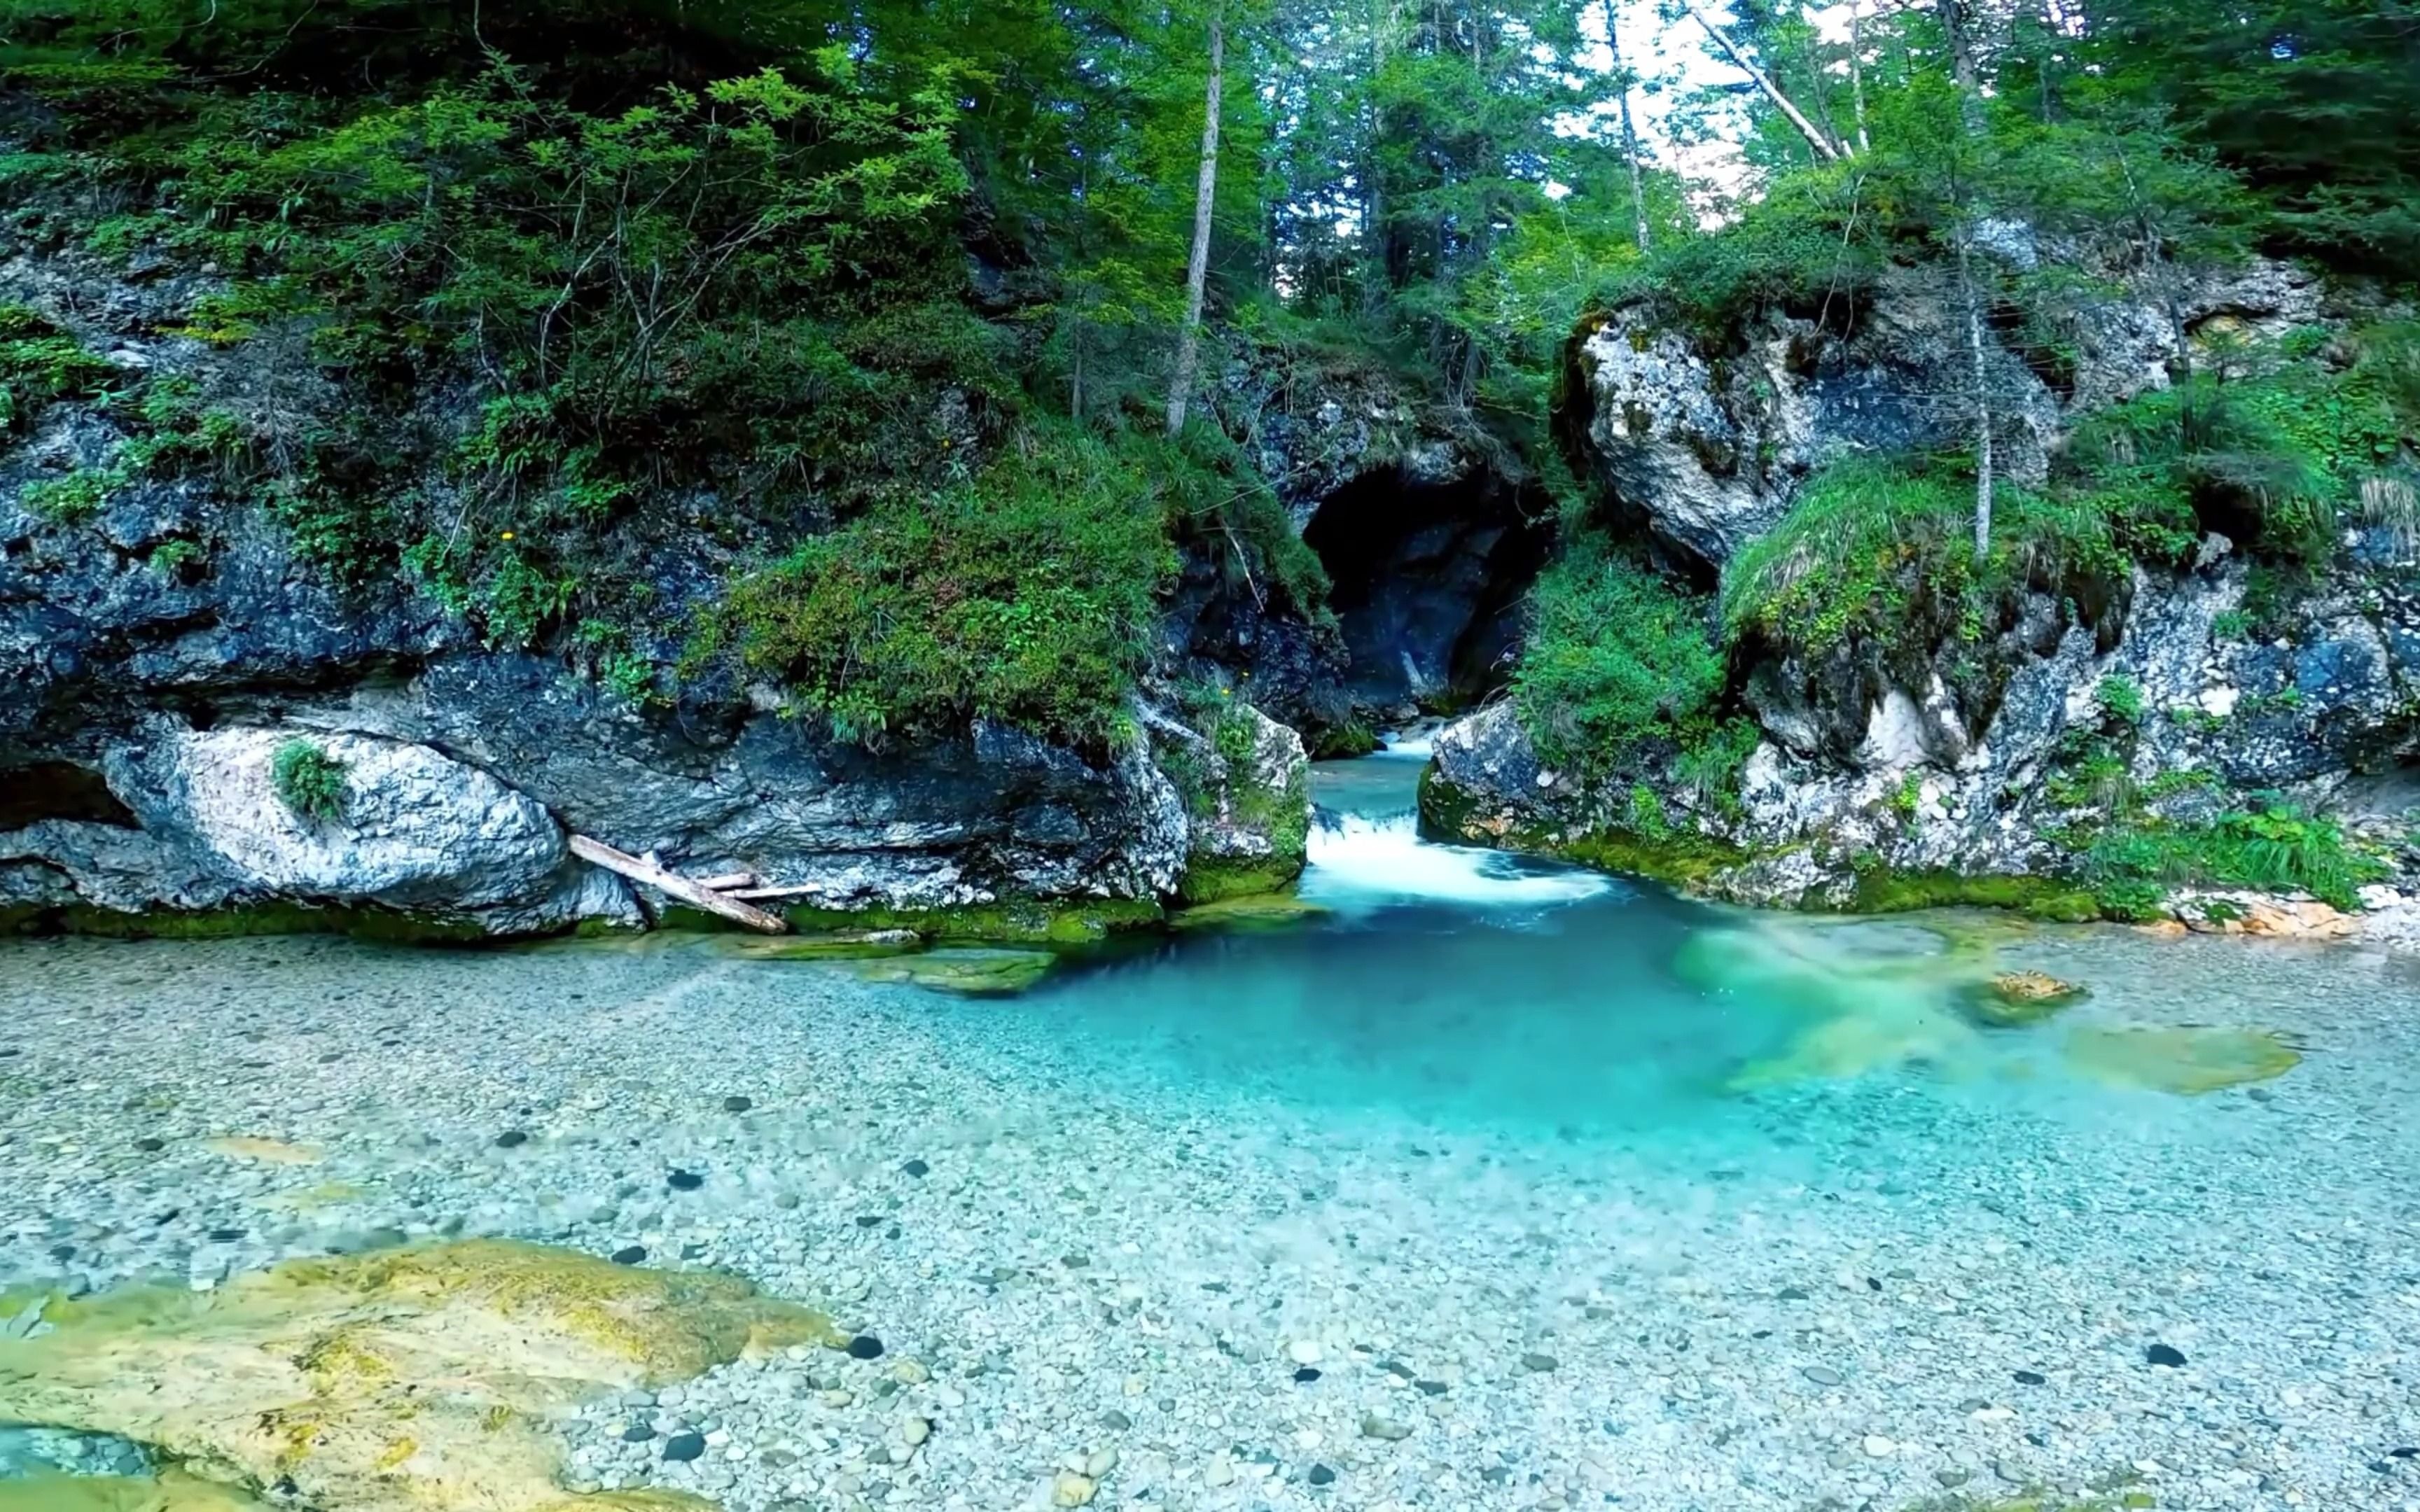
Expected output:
(1881, 890)
(417, 1380)
(1342, 742)
(1259, 911)
(977, 973)
(2187, 1062)
(2013, 999)
(1875, 995)
(1216, 879)
(1016, 922)
(1683, 858)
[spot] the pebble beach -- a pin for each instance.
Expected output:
(1075, 1271)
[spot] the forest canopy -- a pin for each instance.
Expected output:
(788, 275)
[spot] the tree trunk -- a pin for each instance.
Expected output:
(1858, 74)
(1205, 194)
(1629, 134)
(1955, 15)
(1982, 378)
(1822, 145)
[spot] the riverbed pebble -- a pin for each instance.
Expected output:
(1734, 1313)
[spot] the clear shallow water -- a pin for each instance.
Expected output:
(1480, 1109)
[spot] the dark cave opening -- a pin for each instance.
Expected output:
(58, 790)
(1428, 581)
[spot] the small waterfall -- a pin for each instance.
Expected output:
(1367, 861)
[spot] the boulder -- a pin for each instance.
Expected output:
(414, 832)
(1249, 802)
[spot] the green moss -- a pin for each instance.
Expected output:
(1881, 890)
(1683, 858)
(1212, 879)
(1257, 911)
(250, 920)
(1019, 921)
(309, 781)
(967, 972)
(1342, 742)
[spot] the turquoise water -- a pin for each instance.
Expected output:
(1472, 1109)
(1491, 991)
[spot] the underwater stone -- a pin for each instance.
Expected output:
(968, 973)
(2013, 1000)
(406, 1380)
(2185, 1061)
(2165, 1354)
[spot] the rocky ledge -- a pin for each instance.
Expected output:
(1984, 763)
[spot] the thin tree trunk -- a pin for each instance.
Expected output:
(1629, 134)
(1954, 18)
(1858, 74)
(1822, 145)
(1981, 377)
(1205, 194)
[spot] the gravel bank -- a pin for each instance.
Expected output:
(1085, 1277)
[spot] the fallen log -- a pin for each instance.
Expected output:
(624, 864)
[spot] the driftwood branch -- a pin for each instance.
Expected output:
(797, 891)
(727, 881)
(624, 864)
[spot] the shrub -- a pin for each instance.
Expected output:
(2272, 848)
(39, 364)
(1614, 657)
(308, 780)
(1024, 595)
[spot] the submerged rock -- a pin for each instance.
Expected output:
(2186, 1061)
(1253, 911)
(2014, 998)
(967, 972)
(410, 1381)
(174, 1492)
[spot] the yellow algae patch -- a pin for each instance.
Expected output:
(968, 973)
(1889, 1033)
(172, 1492)
(2186, 1061)
(408, 1380)
(263, 1151)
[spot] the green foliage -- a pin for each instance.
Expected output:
(1024, 595)
(1881, 548)
(39, 363)
(1615, 657)
(2272, 848)
(71, 500)
(308, 780)
(2121, 698)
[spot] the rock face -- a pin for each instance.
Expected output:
(1706, 451)
(139, 706)
(1968, 761)
(1428, 583)
(1860, 778)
